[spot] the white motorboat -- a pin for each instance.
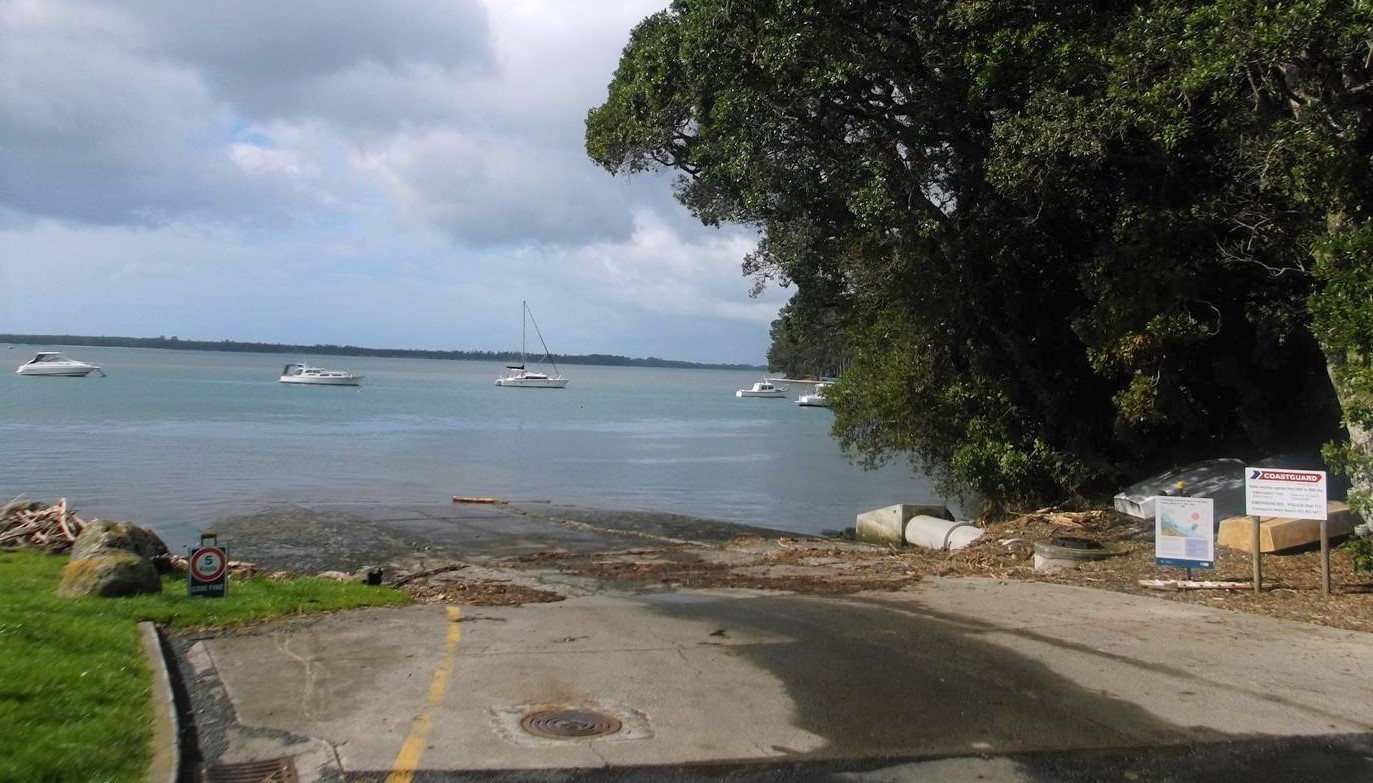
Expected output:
(519, 376)
(763, 388)
(306, 374)
(816, 398)
(55, 364)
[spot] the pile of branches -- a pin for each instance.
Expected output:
(33, 525)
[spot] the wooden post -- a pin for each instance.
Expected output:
(1258, 569)
(1325, 560)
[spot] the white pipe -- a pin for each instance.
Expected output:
(936, 533)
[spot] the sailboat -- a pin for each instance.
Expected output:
(519, 375)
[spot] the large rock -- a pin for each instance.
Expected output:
(102, 534)
(113, 559)
(110, 573)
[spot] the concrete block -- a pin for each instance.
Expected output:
(1279, 534)
(888, 525)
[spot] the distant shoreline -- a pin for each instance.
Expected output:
(232, 346)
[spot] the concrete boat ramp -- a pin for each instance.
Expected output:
(944, 680)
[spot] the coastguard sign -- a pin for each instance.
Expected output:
(1282, 492)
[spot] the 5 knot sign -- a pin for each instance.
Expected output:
(207, 569)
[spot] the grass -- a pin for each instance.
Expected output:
(75, 685)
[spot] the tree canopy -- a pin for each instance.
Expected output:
(1066, 242)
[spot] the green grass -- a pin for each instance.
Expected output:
(75, 686)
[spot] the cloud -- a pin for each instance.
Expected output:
(334, 60)
(416, 165)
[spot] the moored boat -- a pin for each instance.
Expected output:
(763, 388)
(315, 376)
(55, 364)
(519, 376)
(816, 398)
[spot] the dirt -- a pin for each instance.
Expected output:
(737, 557)
(1291, 582)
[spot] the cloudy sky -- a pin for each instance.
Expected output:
(384, 173)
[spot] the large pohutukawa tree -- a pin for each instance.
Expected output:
(1031, 228)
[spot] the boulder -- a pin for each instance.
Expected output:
(110, 573)
(102, 534)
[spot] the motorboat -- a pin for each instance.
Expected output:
(816, 398)
(763, 388)
(520, 376)
(315, 376)
(56, 364)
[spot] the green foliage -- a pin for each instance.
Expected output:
(1069, 242)
(77, 691)
(1360, 549)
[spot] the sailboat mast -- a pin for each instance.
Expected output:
(524, 316)
(546, 354)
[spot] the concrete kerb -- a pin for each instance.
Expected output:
(165, 766)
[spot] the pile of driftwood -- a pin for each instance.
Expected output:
(32, 525)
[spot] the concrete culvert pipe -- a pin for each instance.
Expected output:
(937, 533)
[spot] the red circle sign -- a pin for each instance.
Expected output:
(208, 563)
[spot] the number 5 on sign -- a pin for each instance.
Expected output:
(207, 570)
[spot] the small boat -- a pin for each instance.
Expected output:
(763, 388)
(55, 364)
(518, 375)
(304, 373)
(816, 398)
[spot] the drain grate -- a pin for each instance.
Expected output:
(570, 724)
(270, 771)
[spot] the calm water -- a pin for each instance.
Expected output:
(178, 439)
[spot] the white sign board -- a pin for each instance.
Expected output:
(1279, 492)
(1184, 532)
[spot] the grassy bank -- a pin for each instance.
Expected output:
(75, 687)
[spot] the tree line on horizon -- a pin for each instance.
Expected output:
(1056, 245)
(174, 343)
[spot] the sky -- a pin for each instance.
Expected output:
(380, 173)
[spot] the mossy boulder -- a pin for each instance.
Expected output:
(110, 573)
(101, 534)
(113, 559)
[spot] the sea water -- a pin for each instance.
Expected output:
(178, 439)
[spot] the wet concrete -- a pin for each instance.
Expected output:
(943, 680)
(348, 537)
(873, 682)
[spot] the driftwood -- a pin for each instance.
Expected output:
(1186, 584)
(35, 526)
(493, 501)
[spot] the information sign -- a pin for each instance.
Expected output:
(1184, 532)
(1280, 492)
(207, 569)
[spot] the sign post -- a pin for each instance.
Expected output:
(1282, 492)
(207, 569)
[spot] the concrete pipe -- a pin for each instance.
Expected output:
(936, 533)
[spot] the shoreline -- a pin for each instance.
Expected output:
(529, 543)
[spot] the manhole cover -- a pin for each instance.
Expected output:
(270, 771)
(569, 724)
(1073, 542)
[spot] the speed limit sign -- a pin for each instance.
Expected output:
(207, 568)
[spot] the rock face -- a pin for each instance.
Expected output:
(111, 559)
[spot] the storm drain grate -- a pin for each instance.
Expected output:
(269, 771)
(570, 724)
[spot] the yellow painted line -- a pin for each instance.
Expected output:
(408, 760)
